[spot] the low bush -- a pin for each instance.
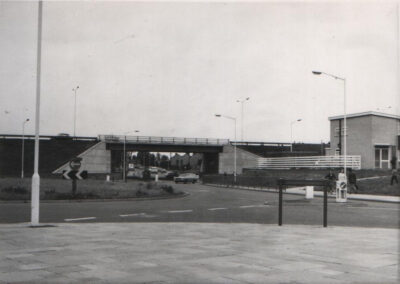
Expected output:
(167, 188)
(15, 190)
(58, 189)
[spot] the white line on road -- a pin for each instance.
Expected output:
(252, 206)
(375, 208)
(144, 215)
(129, 215)
(214, 209)
(179, 211)
(80, 219)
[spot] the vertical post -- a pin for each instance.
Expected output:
(241, 134)
(35, 191)
(291, 137)
(23, 152)
(234, 173)
(124, 170)
(326, 205)
(280, 202)
(74, 186)
(23, 148)
(75, 114)
(345, 128)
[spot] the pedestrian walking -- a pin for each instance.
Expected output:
(393, 162)
(352, 178)
(332, 178)
(394, 177)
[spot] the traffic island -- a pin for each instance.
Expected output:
(15, 189)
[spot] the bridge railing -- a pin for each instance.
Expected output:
(310, 162)
(162, 140)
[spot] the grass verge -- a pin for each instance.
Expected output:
(58, 189)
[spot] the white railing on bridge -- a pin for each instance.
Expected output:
(353, 162)
(162, 140)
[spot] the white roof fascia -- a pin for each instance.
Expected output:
(365, 114)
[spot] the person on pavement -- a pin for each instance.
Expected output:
(394, 176)
(353, 187)
(332, 178)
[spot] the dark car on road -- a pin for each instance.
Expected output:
(186, 177)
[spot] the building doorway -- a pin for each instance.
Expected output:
(382, 157)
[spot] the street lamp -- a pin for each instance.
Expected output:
(234, 146)
(242, 119)
(291, 133)
(344, 116)
(23, 147)
(35, 189)
(124, 171)
(75, 90)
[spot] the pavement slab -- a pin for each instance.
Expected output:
(197, 253)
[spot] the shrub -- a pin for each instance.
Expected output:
(67, 195)
(140, 193)
(15, 190)
(167, 188)
(50, 191)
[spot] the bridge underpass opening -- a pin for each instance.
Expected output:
(208, 154)
(201, 163)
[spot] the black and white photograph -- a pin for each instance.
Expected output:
(202, 141)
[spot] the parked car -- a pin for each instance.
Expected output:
(171, 175)
(186, 177)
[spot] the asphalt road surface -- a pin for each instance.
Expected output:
(212, 204)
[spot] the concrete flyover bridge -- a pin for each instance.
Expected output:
(215, 155)
(208, 148)
(107, 155)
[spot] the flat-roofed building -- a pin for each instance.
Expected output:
(373, 135)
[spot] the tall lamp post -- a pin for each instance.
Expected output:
(344, 116)
(242, 118)
(23, 147)
(35, 200)
(291, 133)
(234, 146)
(75, 90)
(124, 171)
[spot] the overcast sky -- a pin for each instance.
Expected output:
(167, 68)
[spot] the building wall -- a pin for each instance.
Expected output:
(244, 159)
(95, 160)
(363, 133)
(359, 139)
(384, 130)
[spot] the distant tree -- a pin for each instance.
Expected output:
(152, 160)
(164, 161)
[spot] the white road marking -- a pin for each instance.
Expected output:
(130, 215)
(214, 209)
(253, 206)
(79, 219)
(144, 215)
(179, 211)
(375, 208)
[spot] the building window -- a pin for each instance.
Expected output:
(337, 152)
(342, 134)
(382, 157)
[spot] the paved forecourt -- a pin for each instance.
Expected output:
(196, 253)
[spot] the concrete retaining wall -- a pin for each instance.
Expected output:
(244, 159)
(95, 160)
